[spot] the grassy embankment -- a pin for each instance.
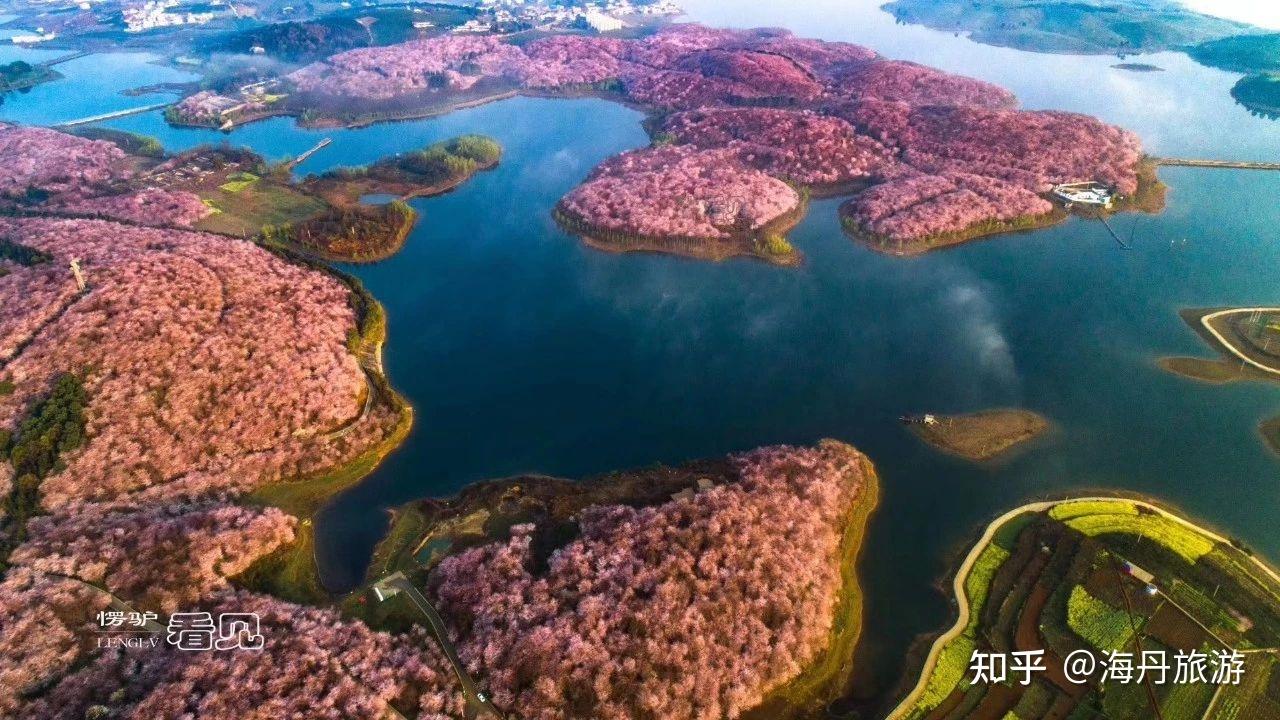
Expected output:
(1255, 340)
(827, 677)
(1072, 575)
(291, 572)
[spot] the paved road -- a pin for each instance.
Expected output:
(477, 705)
(1205, 321)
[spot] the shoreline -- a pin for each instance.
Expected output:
(941, 241)
(745, 244)
(1231, 363)
(827, 678)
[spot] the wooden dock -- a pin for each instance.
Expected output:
(303, 157)
(1228, 164)
(112, 115)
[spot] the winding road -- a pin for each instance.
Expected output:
(477, 704)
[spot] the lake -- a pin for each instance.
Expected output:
(524, 351)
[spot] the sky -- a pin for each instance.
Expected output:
(1263, 13)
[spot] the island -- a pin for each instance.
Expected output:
(1248, 340)
(1138, 67)
(746, 126)
(20, 75)
(1270, 430)
(1096, 575)
(979, 436)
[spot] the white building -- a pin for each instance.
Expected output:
(601, 22)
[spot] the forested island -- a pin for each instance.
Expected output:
(22, 75)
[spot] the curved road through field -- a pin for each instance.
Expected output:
(1227, 344)
(962, 599)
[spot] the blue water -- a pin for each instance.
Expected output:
(524, 351)
(90, 86)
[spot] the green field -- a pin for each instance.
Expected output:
(1099, 576)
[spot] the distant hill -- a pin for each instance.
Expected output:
(1244, 53)
(1097, 27)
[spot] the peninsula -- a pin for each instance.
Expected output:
(1104, 27)
(1248, 340)
(1098, 575)
(548, 583)
(233, 191)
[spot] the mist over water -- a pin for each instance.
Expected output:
(523, 351)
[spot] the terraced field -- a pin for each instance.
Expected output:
(1106, 575)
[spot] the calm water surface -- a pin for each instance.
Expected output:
(525, 352)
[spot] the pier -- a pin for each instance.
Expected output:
(112, 115)
(65, 58)
(1228, 164)
(303, 157)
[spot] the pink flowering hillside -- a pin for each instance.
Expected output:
(917, 85)
(929, 205)
(54, 163)
(189, 550)
(313, 666)
(679, 192)
(445, 62)
(855, 118)
(696, 608)
(214, 365)
(208, 367)
(802, 146)
(49, 170)
(149, 206)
